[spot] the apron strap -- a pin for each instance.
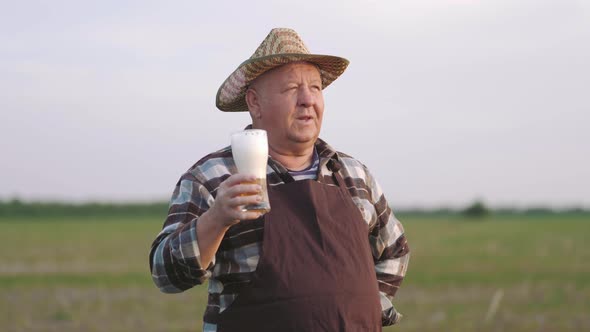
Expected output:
(281, 172)
(334, 165)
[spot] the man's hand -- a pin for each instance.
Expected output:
(233, 193)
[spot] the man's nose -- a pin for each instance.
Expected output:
(306, 97)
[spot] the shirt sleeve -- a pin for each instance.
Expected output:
(390, 252)
(175, 260)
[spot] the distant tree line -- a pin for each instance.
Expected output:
(17, 208)
(478, 209)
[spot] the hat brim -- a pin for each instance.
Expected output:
(230, 96)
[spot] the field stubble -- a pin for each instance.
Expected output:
(92, 275)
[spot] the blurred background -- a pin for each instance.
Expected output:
(473, 116)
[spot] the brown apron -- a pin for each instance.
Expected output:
(316, 271)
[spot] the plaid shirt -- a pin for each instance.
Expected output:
(175, 259)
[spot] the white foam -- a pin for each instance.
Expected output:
(250, 151)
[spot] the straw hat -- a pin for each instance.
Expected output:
(280, 47)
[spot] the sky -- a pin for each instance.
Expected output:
(446, 101)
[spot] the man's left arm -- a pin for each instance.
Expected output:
(390, 252)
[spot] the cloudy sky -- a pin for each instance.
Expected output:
(449, 100)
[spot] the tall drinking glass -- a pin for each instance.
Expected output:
(250, 152)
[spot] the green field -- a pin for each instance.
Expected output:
(91, 274)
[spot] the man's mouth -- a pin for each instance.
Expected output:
(304, 118)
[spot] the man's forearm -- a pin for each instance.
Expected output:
(210, 232)
(175, 258)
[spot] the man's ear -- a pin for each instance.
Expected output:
(253, 102)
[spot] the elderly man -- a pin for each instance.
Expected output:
(329, 256)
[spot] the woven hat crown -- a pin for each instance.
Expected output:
(281, 46)
(281, 41)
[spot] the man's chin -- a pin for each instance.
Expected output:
(304, 138)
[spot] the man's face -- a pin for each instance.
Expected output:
(289, 105)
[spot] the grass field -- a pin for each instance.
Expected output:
(497, 274)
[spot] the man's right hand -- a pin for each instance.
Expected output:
(232, 194)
